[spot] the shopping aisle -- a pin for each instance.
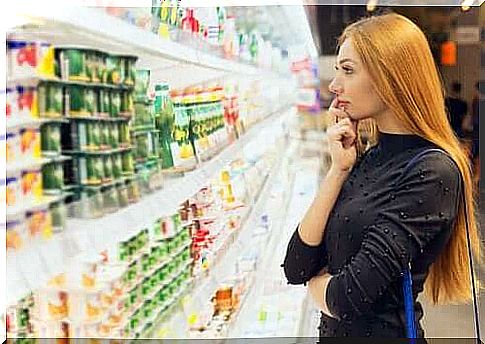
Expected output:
(142, 145)
(277, 309)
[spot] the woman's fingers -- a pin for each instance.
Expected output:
(342, 131)
(338, 114)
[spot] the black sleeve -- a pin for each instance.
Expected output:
(302, 261)
(423, 203)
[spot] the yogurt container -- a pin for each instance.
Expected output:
(22, 58)
(27, 102)
(13, 189)
(31, 185)
(87, 329)
(85, 305)
(50, 304)
(50, 328)
(11, 110)
(50, 95)
(15, 232)
(30, 143)
(39, 223)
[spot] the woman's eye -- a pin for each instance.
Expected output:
(347, 70)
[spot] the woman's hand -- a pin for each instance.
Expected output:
(342, 140)
(317, 287)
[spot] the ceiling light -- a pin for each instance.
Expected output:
(371, 5)
(466, 4)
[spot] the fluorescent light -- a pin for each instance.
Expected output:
(371, 5)
(466, 5)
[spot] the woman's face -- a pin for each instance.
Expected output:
(353, 87)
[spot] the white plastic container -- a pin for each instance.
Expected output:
(13, 190)
(13, 151)
(85, 305)
(50, 304)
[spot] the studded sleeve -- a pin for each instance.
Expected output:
(303, 261)
(423, 204)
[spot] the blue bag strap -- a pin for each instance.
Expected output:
(411, 330)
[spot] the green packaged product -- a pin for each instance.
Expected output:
(145, 263)
(129, 74)
(123, 256)
(115, 103)
(50, 99)
(127, 163)
(51, 139)
(91, 101)
(96, 65)
(92, 203)
(142, 147)
(72, 63)
(91, 170)
(124, 134)
(133, 191)
(95, 128)
(104, 102)
(114, 69)
(108, 169)
(142, 82)
(59, 215)
(114, 135)
(117, 165)
(123, 199)
(110, 199)
(127, 108)
(52, 178)
(76, 101)
(104, 136)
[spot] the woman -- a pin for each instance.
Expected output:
(374, 214)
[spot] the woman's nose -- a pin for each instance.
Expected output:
(335, 87)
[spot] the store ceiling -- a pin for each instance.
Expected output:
(328, 21)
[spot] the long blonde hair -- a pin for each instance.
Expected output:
(398, 58)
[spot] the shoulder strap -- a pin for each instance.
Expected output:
(407, 281)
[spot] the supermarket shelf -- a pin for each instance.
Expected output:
(34, 80)
(99, 152)
(80, 25)
(233, 245)
(90, 236)
(33, 163)
(117, 226)
(98, 118)
(272, 294)
(28, 122)
(42, 203)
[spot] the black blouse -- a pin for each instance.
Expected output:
(383, 218)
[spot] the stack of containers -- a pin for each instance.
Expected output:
(145, 135)
(33, 156)
(199, 127)
(118, 294)
(164, 121)
(96, 89)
